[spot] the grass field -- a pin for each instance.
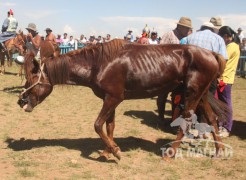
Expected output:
(57, 140)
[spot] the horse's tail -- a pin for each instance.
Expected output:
(220, 108)
(222, 62)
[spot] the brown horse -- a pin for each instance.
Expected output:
(118, 70)
(14, 45)
(47, 50)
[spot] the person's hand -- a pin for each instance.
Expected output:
(29, 36)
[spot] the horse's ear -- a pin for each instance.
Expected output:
(20, 32)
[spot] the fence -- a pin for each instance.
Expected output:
(241, 71)
(66, 48)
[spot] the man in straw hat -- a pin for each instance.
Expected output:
(9, 27)
(33, 39)
(50, 36)
(207, 39)
(183, 28)
(217, 22)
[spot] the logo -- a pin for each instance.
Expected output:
(197, 140)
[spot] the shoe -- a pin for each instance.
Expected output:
(223, 132)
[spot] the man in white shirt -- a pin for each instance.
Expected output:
(153, 38)
(240, 34)
(65, 39)
(71, 41)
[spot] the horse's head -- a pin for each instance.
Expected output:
(37, 85)
(19, 43)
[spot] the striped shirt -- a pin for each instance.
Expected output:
(169, 38)
(208, 40)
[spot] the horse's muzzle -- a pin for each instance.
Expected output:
(22, 102)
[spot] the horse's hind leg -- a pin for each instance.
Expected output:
(193, 94)
(2, 71)
(107, 114)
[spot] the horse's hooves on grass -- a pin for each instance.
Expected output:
(216, 157)
(117, 154)
(102, 159)
(166, 158)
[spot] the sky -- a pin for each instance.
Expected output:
(116, 17)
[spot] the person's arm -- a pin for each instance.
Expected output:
(5, 25)
(35, 41)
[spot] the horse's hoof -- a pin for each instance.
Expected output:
(102, 158)
(166, 158)
(117, 153)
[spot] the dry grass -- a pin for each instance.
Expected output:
(57, 140)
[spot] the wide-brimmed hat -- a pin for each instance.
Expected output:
(217, 22)
(32, 26)
(208, 24)
(185, 21)
(48, 29)
(240, 29)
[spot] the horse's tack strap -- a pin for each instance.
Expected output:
(36, 83)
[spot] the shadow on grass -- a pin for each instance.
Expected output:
(89, 145)
(238, 129)
(150, 119)
(13, 90)
(10, 73)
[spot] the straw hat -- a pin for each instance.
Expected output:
(31, 26)
(216, 21)
(185, 21)
(208, 24)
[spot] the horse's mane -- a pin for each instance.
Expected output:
(58, 68)
(102, 52)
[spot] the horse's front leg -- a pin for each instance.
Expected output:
(110, 124)
(20, 70)
(9, 60)
(107, 114)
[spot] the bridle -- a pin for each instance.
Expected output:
(41, 74)
(19, 44)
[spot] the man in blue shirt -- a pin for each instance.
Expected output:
(9, 27)
(207, 39)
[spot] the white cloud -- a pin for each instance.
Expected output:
(136, 24)
(68, 29)
(7, 4)
(123, 23)
(42, 14)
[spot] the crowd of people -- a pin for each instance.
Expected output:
(212, 35)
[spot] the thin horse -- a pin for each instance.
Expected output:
(14, 45)
(118, 70)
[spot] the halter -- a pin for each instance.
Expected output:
(36, 83)
(18, 44)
